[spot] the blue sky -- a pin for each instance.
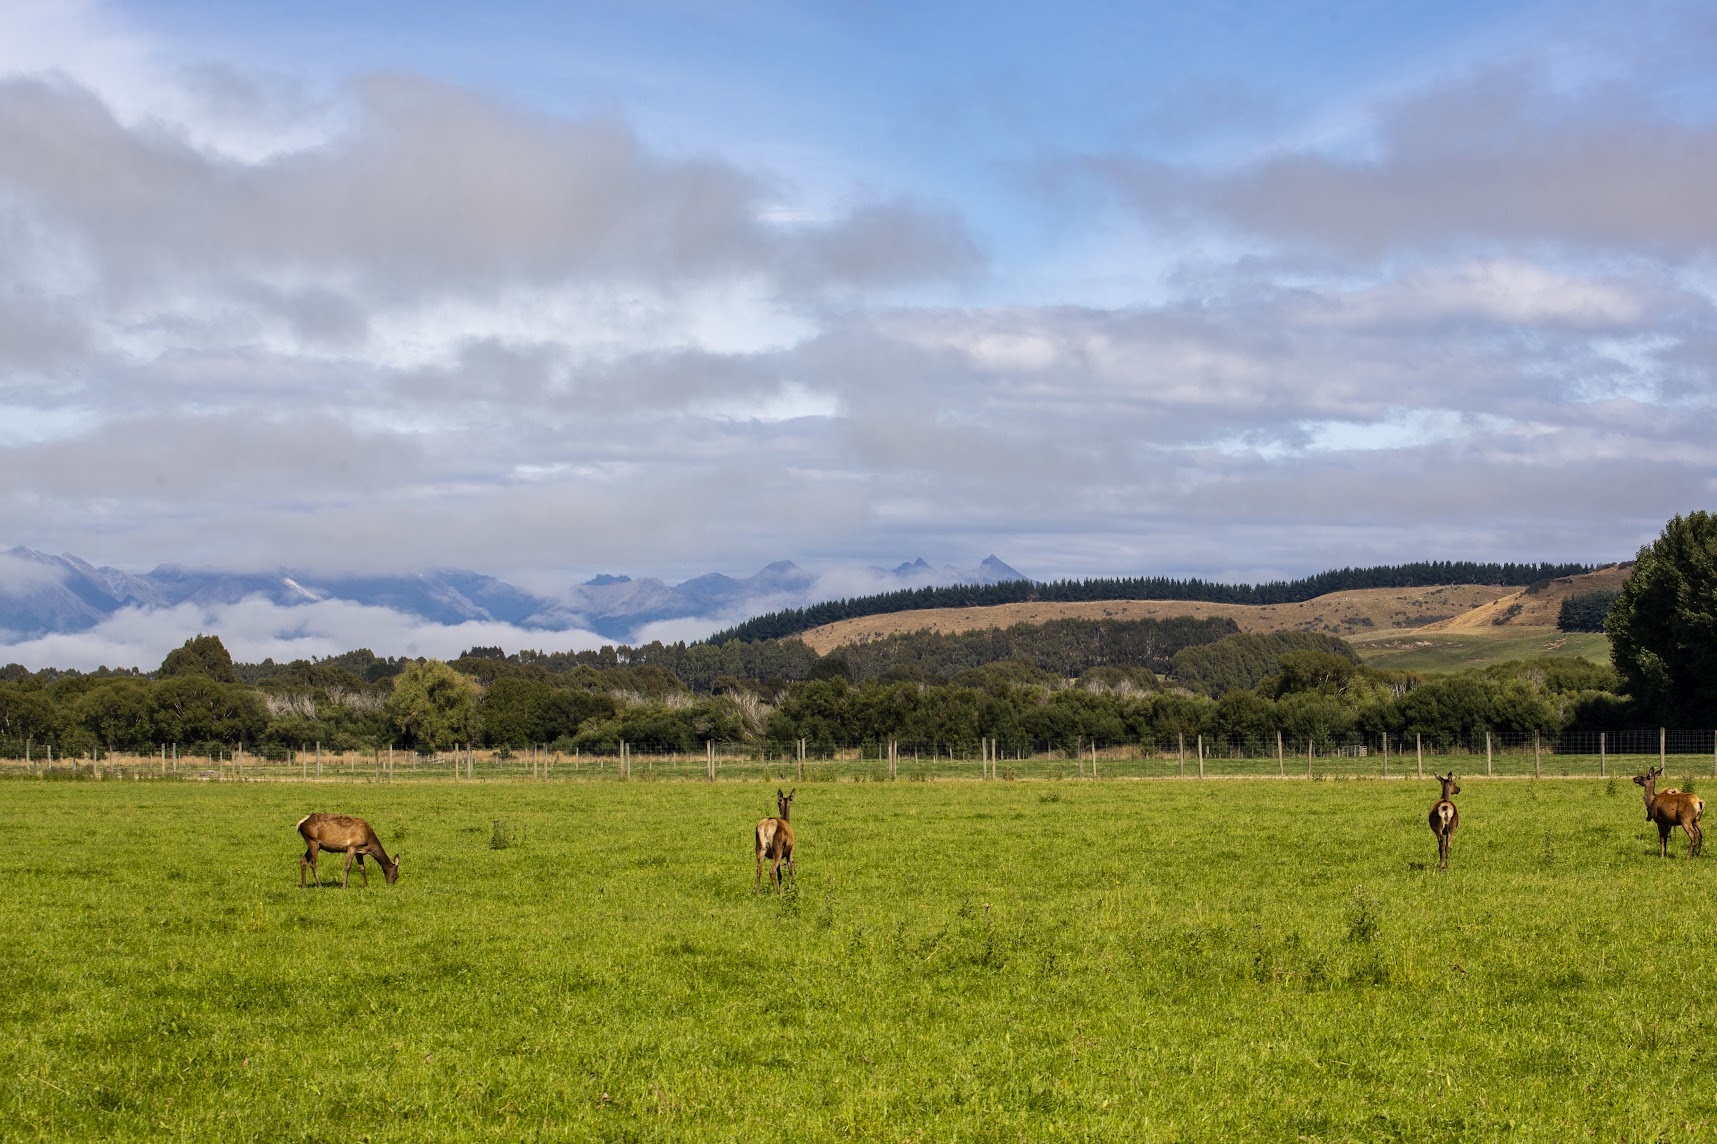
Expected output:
(1238, 290)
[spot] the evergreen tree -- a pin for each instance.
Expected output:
(1663, 625)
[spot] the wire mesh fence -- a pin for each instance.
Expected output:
(1181, 755)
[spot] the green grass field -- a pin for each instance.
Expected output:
(1121, 960)
(1456, 651)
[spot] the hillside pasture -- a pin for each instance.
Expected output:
(1433, 650)
(1463, 616)
(1143, 960)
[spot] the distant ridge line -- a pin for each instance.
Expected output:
(1423, 574)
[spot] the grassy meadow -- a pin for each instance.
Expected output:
(1441, 651)
(1035, 960)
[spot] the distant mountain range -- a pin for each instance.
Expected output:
(42, 594)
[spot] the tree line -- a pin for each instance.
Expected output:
(1044, 686)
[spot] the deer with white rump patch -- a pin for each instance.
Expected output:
(775, 841)
(1444, 817)
(342, 834)
(1672, 808)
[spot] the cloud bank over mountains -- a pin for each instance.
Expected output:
(60, 611)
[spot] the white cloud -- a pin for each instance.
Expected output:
(255, 629)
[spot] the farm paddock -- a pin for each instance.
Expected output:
(1151, 960)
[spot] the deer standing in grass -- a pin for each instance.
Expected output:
(1672, 808)
(342, 834)
(1444, 817)
(775, 841)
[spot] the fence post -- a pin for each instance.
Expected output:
(709, 751)
(1181, 735)
(1662, 747)
(1601, 759)
(1201, 756)
(1308, 756)
(893, 756)
(1386, 754)
(1535, 765)
(1093, 758)
(1487, 754)
(1279, 763)
(1419, 753)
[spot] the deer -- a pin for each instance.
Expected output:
(1669, 809)
(341, 833)
(775, 841)
(1444, 817)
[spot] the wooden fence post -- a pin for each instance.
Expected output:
(1181, 736)
(1279, 761)
(1601, 752)
(1201, 756)
(1419, 753)
(1487, 754)
(1662, 748)
(1537, 770)
(1386, 754)
(1308, 756)
(709, 752)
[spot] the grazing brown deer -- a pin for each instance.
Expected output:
(342, 834)
(1670, 809)
(775, 841)
(1444, 817)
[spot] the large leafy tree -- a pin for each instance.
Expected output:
(1663, 625)
(432, 705)
(200, 655)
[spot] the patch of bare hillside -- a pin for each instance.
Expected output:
(1338, 613)
(1537, 606)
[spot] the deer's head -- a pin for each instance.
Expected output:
(1450, 787)
(1649, 779)
(784, 802)
(391, 872)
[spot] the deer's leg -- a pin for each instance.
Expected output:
(364, 870)
(303, 865)
(310, 857)
(345, 881)
(1663, 841)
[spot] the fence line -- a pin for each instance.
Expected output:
(1598, 754)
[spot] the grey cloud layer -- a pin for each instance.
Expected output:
(455, 334)
(429, 190)
(1496, 159)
